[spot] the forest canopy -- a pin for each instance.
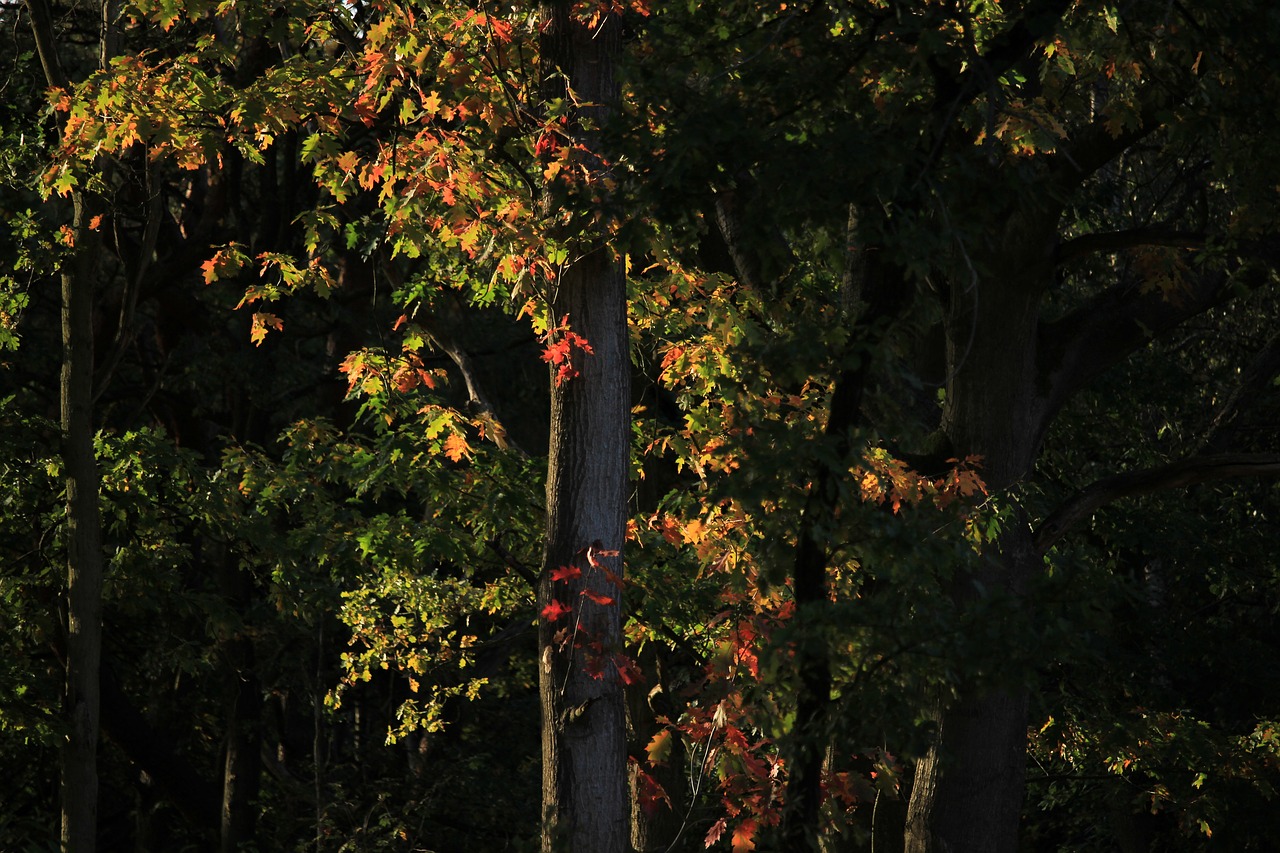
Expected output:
(631, 426)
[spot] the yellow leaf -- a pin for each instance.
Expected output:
(659, 748)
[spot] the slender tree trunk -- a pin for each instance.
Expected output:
(79, 770)
(242, 762)
(84, 550)
(585, 803)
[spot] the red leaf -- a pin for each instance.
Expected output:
(598, 598)
(627, 669)
(649, 793)
(593, 553)
(555, 610)
(566, 573)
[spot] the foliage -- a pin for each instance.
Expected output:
(332, 237)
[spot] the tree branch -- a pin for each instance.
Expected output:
(1129, 238)
(1003, 52)
(1078, 347)
(1188, 472)
(1097, 144)
(477, 401)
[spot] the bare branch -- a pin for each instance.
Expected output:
(1188, 472)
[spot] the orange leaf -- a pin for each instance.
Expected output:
(714, 833)
(261, 322)
(456, 447)
(744, 837)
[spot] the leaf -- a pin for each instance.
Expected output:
(714, 833)
(598, 598)
(553, 611)
(744, 837)
(566, 573)
(659, 748)
(456, 447)
(261, 322)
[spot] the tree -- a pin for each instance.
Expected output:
(932, 315)
(584, 787)
(79, 788)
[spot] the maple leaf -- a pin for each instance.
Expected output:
(594, 667)
(593, 552)
(553, 611)
(627, 669)
(649, 793)
(561, 343)
(566, 573)
(405, 379)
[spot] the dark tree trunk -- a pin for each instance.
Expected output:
(585, 804)
(242, 761)
(79, 771)
(655, 825)
(968, 789)
(84, 549)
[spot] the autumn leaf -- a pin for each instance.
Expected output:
(714, 833)
(456, 447)
(566, 573)
(593, 553)
(598, 598)
(650, 795)
(560, 346)
(744, 837)
(263, 321)
(659, 748)
(553, 611)
(627, 669)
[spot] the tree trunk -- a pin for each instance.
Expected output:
(79, 760)
(656, 822)
(242, 764)
(584, 782)
(79, 787)
(968, 789)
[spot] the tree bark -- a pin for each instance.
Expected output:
(585, 804)
(79, 759)
(79, 787)
(968, 789)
